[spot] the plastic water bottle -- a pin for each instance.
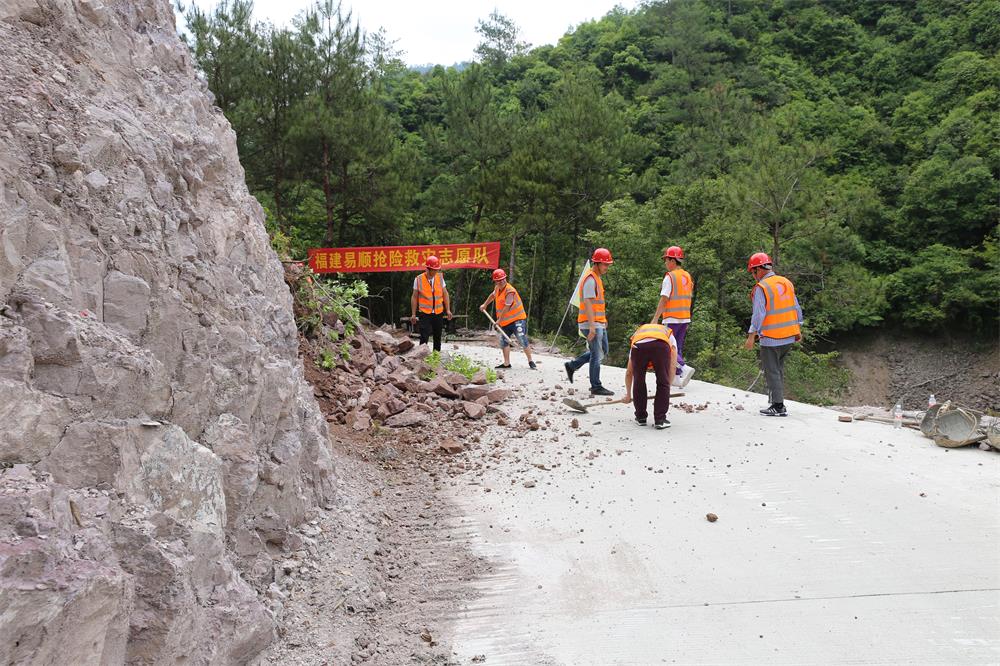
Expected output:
(931, 401)
(897, 416)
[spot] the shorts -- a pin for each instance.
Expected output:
(519, 330)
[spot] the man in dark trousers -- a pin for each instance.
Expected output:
(430, 296)
(652, 346)
(777, 323)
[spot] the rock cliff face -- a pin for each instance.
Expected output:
(157, 439)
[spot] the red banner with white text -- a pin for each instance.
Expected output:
(402, 257)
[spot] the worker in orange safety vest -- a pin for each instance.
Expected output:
(430, 296)
(776, 323)
(651, 346)
(676, 297)
(510, 317)
(593, 322)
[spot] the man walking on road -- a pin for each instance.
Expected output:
(593, 322)
(777, 323)
(430, 294)
(676, 295)
(652, 346)
(510, 317)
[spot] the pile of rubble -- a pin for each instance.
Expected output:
(384, 380)
(387, 381)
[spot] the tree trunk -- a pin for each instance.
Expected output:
(327, 195)
(776, 241)
(720, 303)
(513, 254)
(344, 213)
(278, 203)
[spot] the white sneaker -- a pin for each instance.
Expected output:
(686, 372)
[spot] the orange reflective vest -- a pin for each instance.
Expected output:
(597, 304)
(781, 317)
(508, 314)
(651, 331)
(681, 291)
(430, 298)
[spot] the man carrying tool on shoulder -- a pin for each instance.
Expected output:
(777, 323)
(511, 318)
(593, 322)
(676, 295)
(430, 295)
(651, 346)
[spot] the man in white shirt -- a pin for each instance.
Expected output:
(676, 297)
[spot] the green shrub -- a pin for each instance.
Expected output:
(457, 363)
(319, 295)
(326, 359)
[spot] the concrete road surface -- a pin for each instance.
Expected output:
(836, 543)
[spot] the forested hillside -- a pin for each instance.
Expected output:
(856, 141)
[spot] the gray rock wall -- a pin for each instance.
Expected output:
(157, 439)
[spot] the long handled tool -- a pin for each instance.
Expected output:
(578, 406)
(502, 332)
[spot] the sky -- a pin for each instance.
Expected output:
(444, 31)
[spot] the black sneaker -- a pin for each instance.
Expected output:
(641, 422)
(501, 366)
(600, 390)
(662, 424)
(775, 410)
(569, 371)
(531, 364)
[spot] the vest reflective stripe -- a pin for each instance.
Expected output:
(509, 314)
(781, 317)
(651, 332)
(430, 299)
(681, 292)
(597, 304)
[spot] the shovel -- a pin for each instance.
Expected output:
(578, 406)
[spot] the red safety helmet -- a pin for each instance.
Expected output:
(432, 262)
(499, 275)
(758, 259)
(673, 252)
(602, 256)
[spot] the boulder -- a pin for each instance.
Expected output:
(473, 392)
(479, 377)
(408, 418)
(473, 410)
(391, 407)
(498, 395)
(440, 387)
(418, 353)
(359, 420)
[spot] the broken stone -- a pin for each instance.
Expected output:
(498, 395)
(408, 418)
(440, 387)
(451, 446)
(473, 392)
(359, 420)
(473, 410)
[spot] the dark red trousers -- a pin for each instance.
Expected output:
(656, 352)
